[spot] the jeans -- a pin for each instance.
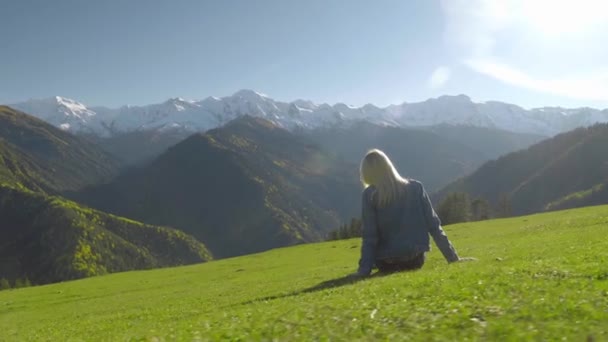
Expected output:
(389, 266)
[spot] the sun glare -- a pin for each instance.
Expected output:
(559, 17)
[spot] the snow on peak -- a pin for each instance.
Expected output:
(178, 113)
(73, 108)
(179, 104)
(453, 98)
(176, 100)
(56, 109)
(249, 94)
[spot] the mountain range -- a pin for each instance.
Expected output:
(435, 155)
(46, 238)
(242, 188)
(256, 178)
(212, 112)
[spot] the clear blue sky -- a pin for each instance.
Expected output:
(116, 52)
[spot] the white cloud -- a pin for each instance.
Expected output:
(504, 38)
(588, 87)
(439, 77)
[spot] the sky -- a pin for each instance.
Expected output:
(115, 52)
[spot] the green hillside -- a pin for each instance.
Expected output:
(596, 195)
(19, 169)
(42, 157)
(541, 277)
(544, 173)
(246, 187)
(49, 239)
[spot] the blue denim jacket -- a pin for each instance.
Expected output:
(400, 229)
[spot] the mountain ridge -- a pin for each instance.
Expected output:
(546, 175)
(49, 159)
(436, 155)
(242, 188)
(212, 112)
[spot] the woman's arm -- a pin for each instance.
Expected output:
(369, 234)
(434, 227)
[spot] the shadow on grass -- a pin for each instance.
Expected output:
(328, 284)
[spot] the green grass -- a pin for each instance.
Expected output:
(540, 277)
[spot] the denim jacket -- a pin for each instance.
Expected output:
(400, 229)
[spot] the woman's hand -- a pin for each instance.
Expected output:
(466, 259)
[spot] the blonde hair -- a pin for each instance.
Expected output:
(377, 170)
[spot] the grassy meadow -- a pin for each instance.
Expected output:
(539, 277)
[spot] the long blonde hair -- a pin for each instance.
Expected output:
(377, 170)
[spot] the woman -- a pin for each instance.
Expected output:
(397, 219)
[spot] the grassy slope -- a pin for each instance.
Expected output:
(538, 277)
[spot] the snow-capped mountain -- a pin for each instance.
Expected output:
(178, 113)
(61, 112)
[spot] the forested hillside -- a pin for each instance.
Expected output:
(42, 157)
(48, 239)
(45, 238)
(547, 175)
(242, 188)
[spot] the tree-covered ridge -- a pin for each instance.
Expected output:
(245, 187)
(530, 180)
(48, 239)
(42, 157)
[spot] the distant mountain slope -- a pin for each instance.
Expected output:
(137, 147)
(41, 156)
(246, 187)
(490, 142)
(545, 172)
(49, 239)
(434, 155)
(212, 112)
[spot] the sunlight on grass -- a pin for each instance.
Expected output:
(538, 277)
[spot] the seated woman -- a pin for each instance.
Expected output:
(397, 217)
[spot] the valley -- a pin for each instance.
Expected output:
(249, 185)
